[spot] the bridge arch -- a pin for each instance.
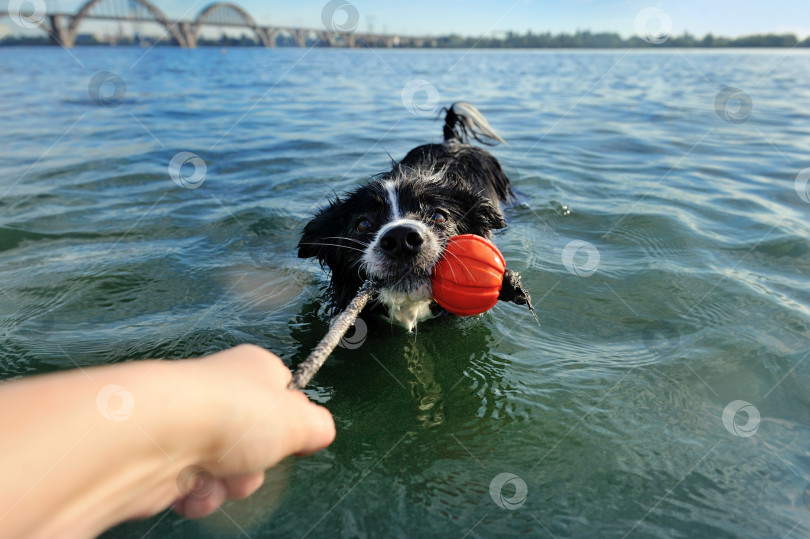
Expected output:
(158, 15)
(45, 27)
(210, 13)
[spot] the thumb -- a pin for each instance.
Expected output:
(313, 425)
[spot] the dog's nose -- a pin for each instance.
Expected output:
(402, 241)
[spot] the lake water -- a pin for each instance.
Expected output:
(663, 232)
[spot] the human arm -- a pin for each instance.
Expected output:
(85, 449)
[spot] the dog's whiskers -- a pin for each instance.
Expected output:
(333, 245)
(364, 244)
(463, 265)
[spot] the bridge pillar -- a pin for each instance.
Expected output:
(327, 38)
(189, 33)
(300, 37)
(264, 39)
(59, 33)
(272, 36)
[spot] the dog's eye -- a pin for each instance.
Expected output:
(438, 217)
(364, 225)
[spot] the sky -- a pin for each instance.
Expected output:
(481, 17)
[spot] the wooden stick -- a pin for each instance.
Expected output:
(307, 369)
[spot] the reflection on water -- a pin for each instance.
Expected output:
(425, 390)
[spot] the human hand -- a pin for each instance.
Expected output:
(97, 446)
(251, 422)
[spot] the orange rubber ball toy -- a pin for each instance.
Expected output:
(468, 278)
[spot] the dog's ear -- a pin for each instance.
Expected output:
(324, 224)
(306, 245)
(494, 216)
(486, 216)
(512, 290)
(481, 219)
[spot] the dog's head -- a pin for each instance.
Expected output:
(394, 230)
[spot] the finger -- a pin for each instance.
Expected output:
(244, 485)
(281, 373)
(196, 506)
(265, 361)
(314, 429)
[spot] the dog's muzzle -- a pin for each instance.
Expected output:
(402, 241)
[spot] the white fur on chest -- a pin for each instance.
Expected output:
(408, 309)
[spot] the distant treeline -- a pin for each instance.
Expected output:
(606, 40)
(512, 40)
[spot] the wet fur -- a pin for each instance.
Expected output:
(463, 181)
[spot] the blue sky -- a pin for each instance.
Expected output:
(480, 17)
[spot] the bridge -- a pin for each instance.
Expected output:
(64, 27)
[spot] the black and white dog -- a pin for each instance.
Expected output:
(395, 228)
